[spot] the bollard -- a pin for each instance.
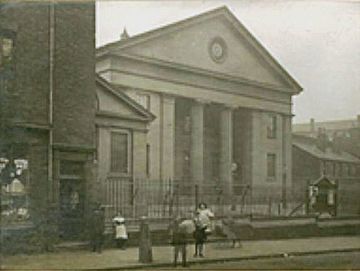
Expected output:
(145, 250)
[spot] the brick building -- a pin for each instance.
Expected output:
(47, 112)
(317, 157)
(344, 134)
(222, 105)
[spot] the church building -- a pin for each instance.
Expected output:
(223, 107)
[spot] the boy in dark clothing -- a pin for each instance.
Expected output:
(178, 240)
(97, 229)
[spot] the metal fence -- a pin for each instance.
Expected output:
(160, 199)
(133, 198)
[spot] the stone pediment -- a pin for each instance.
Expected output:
(214, 41)
(112, 102)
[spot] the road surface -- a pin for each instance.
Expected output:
(333, 261)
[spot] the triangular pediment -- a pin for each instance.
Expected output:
(113, 102)
(214, 41)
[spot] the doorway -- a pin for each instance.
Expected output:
(72, 200)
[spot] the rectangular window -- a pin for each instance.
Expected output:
(271, 126)
(353, 170)
(345, 170)
(329, 170)
(6, 51)
(271, 165)
(119, 160)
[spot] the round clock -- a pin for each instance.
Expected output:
(218, 49)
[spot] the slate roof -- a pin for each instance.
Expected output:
(328, 154)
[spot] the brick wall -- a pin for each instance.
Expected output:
(74, 93)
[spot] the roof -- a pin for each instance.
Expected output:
(327, 125)
(328, 154)
(125, 98)
(324, 180)
(221, 11)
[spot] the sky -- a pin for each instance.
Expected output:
(317, 42)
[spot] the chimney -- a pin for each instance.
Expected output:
(321, 141)
(312, 127)
(124, 35)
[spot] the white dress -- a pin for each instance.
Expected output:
(120, 232)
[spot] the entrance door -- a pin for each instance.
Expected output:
(72, 200)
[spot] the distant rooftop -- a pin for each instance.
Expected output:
(335, 125)
(327, 154)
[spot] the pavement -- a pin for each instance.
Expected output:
(115, 259)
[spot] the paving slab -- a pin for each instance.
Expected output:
(115, 259)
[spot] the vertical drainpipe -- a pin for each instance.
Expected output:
(51, 90)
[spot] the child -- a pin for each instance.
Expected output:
(199, 235)
(121, 235)
(178, 240)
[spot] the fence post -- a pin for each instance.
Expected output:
(145, 250)
(307, 197)
(177, 191)
(196, 196)
(270, 205)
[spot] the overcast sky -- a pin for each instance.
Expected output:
(317, 42)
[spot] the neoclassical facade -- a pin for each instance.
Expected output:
(222, 105)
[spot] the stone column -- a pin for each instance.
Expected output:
(168, 138)
(287, 150)
(226, 152)
(197, 143)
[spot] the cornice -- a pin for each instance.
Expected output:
(104, 113)
(199, 71)
(178, 82)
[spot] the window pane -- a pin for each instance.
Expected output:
(14, 191)
(271, 165)
(7, 46)
(119, 153)
(271, 126)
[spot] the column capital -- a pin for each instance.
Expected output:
(201, 101)
(229, 106)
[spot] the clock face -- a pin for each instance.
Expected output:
(217, 50)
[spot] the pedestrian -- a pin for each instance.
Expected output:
(97, 229)
(178, 233)
(229, 227)
(199, 235)
(121, 235)
(206, 216)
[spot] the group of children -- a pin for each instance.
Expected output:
(199, 227)
(180, 230)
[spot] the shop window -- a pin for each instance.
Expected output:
(271, 126)
(14, 178)
(119, 160)
(271, 166)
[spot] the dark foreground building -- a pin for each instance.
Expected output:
(47, 146)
